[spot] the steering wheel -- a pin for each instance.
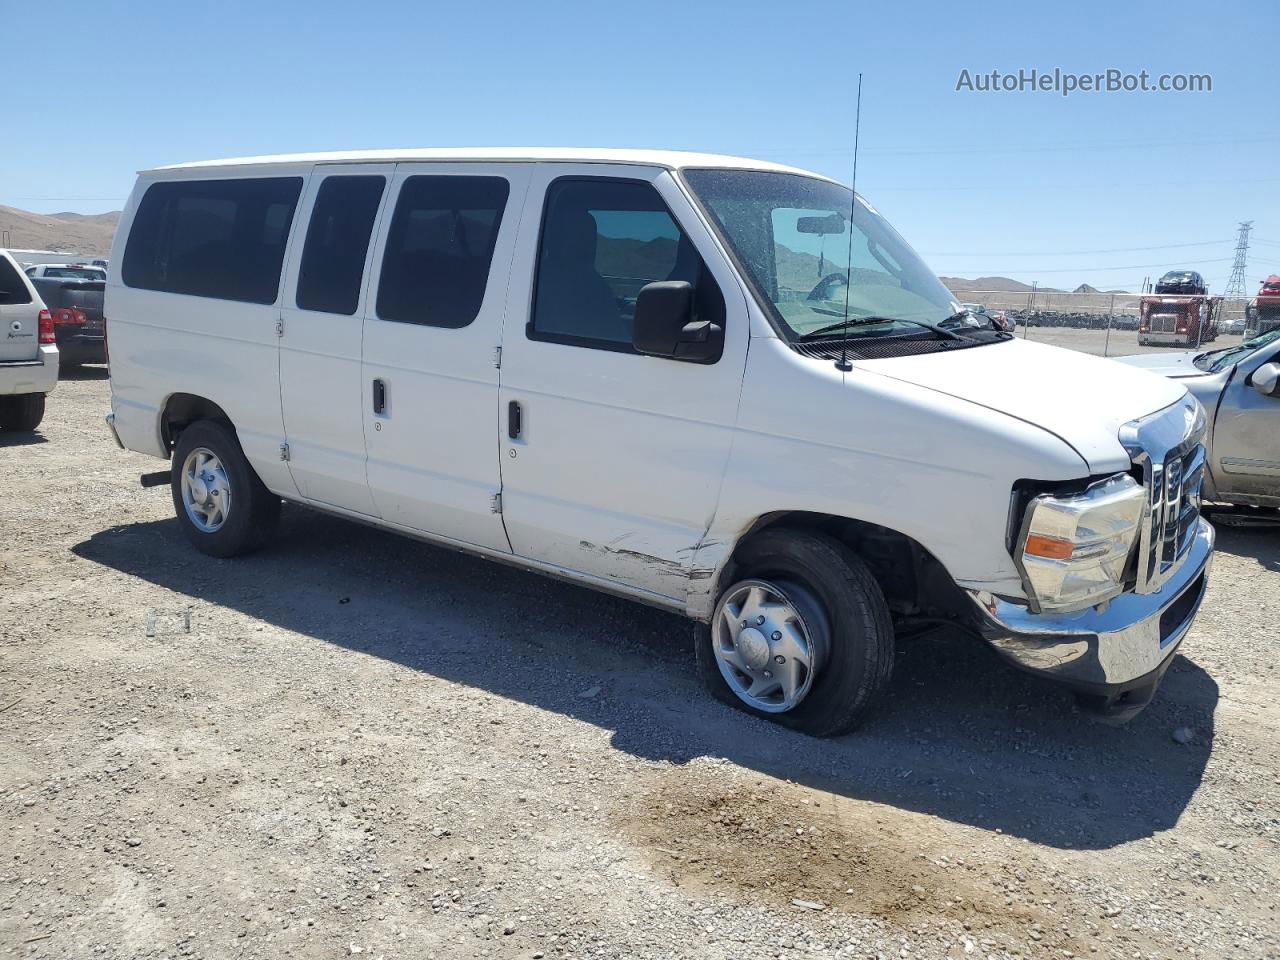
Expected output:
(831, 279)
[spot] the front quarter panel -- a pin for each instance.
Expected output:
(880, 450)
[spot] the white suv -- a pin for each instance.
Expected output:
(28, 354)
(655, 374)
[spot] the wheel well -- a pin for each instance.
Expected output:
(914, 581)
(183, 409)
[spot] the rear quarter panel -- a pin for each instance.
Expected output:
(225, 351)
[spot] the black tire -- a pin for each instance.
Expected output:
(22, 412)
(254, 510)
(858, 658)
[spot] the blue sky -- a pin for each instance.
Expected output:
(1103, 188)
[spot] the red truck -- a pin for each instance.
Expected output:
(1266, 312)
(1179, 313)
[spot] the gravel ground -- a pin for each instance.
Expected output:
(364, 745)
(1121, 343)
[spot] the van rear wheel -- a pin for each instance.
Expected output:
(22, 412)
(224, 509)
(802, 636)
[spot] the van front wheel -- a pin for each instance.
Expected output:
(802, 636)
(224, 509)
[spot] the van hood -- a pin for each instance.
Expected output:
(1166, 364)
(1081, 399)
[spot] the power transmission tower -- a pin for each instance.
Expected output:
(1235, 296)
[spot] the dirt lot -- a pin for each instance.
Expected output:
(1121, 343)
(368, 746)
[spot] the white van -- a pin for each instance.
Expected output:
(649, 373)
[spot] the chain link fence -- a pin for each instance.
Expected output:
(1104, 324)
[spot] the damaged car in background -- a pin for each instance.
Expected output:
(1239, 387)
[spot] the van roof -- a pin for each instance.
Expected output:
(671, 159)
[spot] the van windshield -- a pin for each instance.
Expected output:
(792, 235)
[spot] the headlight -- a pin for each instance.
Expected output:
(1073, 550)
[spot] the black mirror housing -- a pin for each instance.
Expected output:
(664, 324)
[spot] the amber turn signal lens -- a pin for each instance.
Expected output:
(1051, 548)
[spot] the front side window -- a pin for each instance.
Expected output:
(333, 257)
(223, 239)
(793, 236)
(602, 240)
(439, 249)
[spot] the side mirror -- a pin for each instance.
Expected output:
(1266, 380)
(664, 324)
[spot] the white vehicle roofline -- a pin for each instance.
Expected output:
(669, 159)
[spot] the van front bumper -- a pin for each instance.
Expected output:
(1115, 656)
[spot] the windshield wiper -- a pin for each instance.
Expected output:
(844, 325)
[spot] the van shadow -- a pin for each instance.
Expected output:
(83, 371)
(961, 736)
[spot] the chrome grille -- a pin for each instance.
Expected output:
(1167, 448)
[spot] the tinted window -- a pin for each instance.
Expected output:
(337, 242)
(439, 249)
(212, 238)
(12, 289)
(602, 240)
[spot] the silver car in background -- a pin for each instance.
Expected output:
(1239, 388)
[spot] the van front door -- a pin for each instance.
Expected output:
(321, 384)
(431, 333)
(612, 461)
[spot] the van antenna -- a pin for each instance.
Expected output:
(843, 364)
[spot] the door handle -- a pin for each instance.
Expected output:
(514, 419)
(379, 396)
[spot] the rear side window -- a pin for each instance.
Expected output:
(223, 239)
(602, 240)
(439, 249)
(13, 289)
(337, 242)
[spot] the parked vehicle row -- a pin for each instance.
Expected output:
(1079, 321)
(641, 371)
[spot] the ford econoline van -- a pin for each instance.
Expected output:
(725, 387)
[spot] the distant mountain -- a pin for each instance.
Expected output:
(89, 234)
(999, 284)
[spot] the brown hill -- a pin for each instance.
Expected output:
(1002, 284)
(89, 234)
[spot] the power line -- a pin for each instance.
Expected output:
(1005, 187)
(1072, 253)
(1030, 148)
(1132, 266)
